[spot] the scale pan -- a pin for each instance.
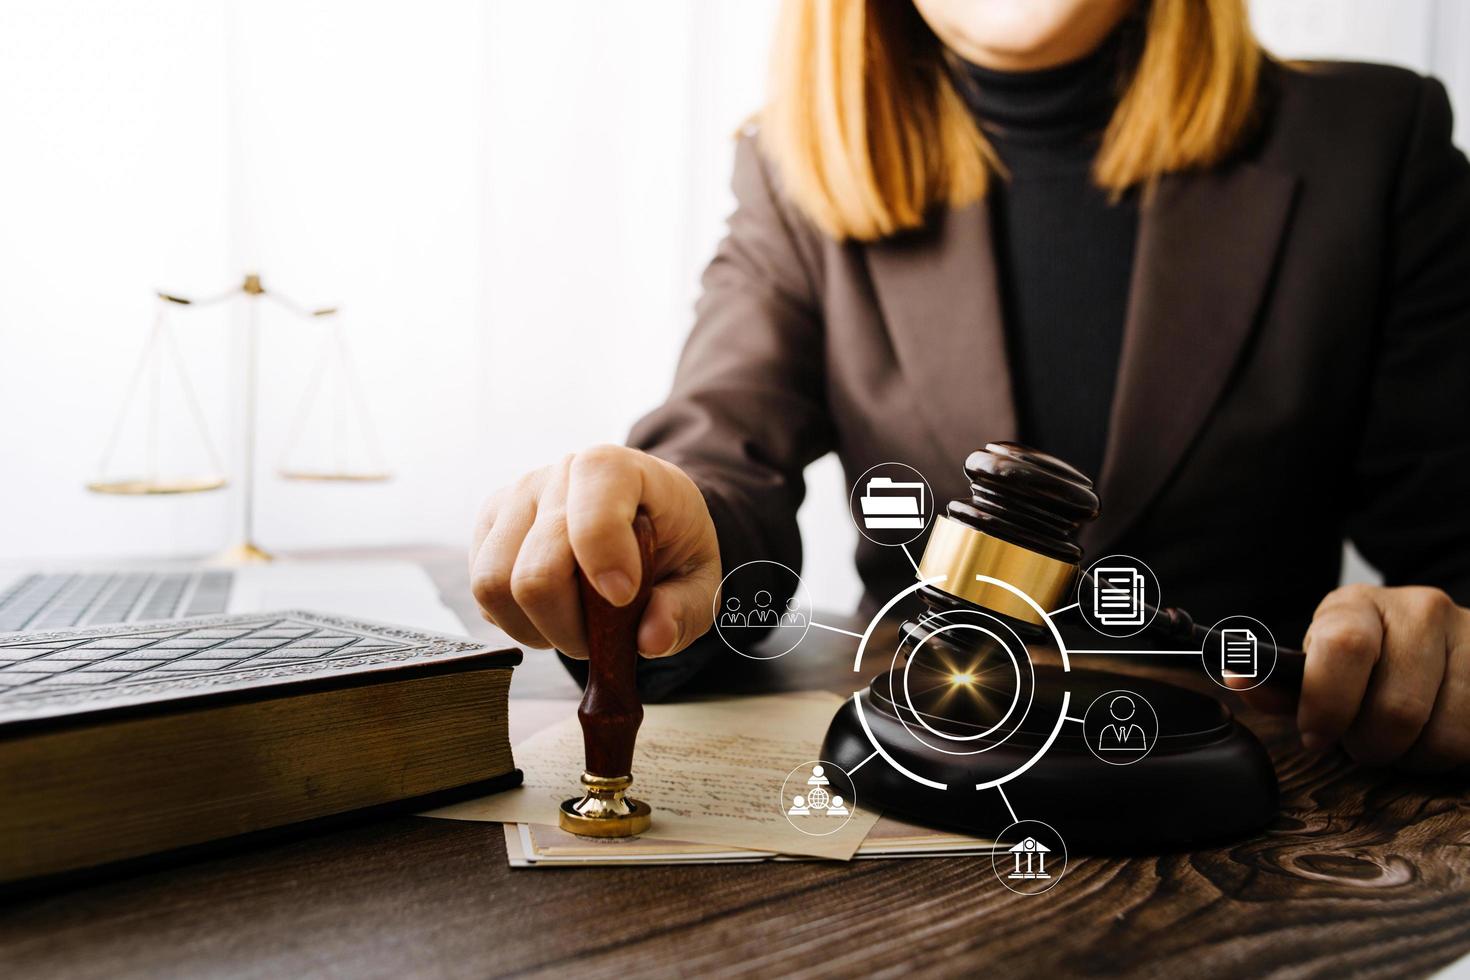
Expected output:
(137, 488)
(321, 476)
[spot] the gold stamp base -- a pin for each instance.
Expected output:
(605, 811)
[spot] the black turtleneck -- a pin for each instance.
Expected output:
(1064, 252)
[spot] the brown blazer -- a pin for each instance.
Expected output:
(1295, 367)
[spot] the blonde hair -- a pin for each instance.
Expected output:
(869, 134)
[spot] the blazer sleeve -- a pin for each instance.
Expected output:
(1410, 510)
(747, 411)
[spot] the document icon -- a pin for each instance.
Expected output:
(1237, 653)
(1117, 596)
(888, 503)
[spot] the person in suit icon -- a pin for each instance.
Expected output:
(1123, 735)
(793, 616)
(732, 616)
(763, 614)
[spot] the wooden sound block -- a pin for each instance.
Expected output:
(1207, 778)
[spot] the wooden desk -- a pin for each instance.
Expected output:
(1363, 873)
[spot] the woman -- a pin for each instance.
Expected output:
(1237, 291)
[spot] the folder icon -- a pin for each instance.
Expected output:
(890, 504)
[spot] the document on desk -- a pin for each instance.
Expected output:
(532, 845)
(711, 770)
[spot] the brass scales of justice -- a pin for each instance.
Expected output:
(161, 351)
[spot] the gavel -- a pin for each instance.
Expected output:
(1022, 524)
(611, 710)
(1205, 777)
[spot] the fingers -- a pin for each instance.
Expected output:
(494, 563)
(1342, 648)
(680, 610)
(1445, 741)
(531, 538)
(1388, 673)
(1406, 679)
(484, 520)
(543, 582)
(605, 487)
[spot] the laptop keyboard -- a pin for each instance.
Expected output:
(58, 600)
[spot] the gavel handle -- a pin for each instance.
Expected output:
(611, 710)
(1173, 625)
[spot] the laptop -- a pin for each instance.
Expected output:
(396, 592)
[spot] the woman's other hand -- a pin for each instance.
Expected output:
(1388, 675)
(530, 538)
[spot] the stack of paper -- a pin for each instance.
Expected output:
(712, 772)
(529, 845)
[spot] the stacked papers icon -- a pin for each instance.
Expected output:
(1117, 596)
(890, 504)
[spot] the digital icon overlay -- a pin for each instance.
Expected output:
(961, 682)
(762, 610)
(1119, 596)
(1029, 848)
(1120, 727)
(888, 504)
(891, 504)
(818, 798)
(1239, 653)
(1029, 857)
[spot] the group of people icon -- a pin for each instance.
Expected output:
(762, 614)
(818, 798)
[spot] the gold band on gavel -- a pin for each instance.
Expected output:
(959, 553)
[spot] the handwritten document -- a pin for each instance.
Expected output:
(711, 770)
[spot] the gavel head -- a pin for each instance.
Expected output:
(1021, 525)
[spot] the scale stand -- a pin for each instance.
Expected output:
(247, 551)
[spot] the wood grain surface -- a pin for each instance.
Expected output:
(1363, 874)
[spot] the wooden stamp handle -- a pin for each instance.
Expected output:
(611, 710)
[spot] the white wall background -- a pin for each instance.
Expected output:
(511, 201)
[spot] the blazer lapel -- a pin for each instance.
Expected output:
(1207, 247)
(938, 292)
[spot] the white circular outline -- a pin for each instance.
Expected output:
(1205, 662)
(1066, 856)
(908, 697)
(800, 586)
(1082, 607)
(852, 807)
(1087, 739)
(852, 497)
(1061, 651)
(1030, 670)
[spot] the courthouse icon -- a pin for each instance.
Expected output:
(1032, 850)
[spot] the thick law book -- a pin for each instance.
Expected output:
(119, 742)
